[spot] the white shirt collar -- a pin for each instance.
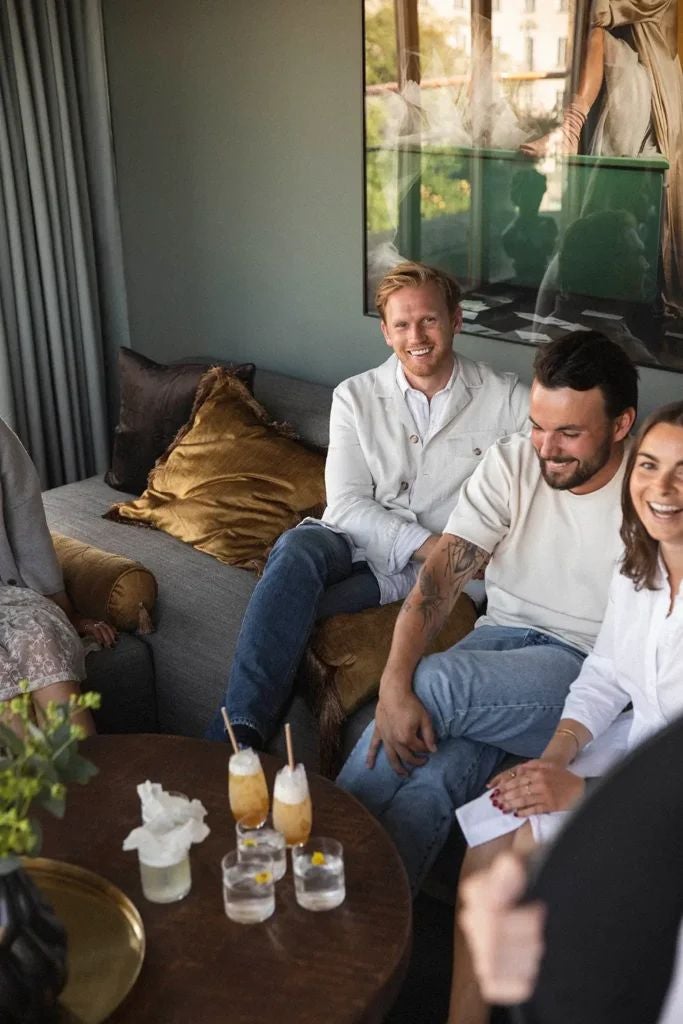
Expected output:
(405, 386)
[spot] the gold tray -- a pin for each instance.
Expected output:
(105, 934)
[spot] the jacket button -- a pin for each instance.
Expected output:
(477, 451)
(413, 438)
(404, 485)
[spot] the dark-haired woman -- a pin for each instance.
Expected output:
(638, 659)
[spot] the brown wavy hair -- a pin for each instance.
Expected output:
(413, 275)
(640, 558)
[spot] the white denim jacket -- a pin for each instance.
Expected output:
(380, 476)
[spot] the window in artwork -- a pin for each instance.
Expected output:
(531, 151)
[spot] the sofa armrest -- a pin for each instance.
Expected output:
(105, 586)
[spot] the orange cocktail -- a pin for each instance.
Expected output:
(247, 787)
(292, 811)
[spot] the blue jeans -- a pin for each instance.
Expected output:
(309, 576)
(499, 691)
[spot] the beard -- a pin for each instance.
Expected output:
(583, 471)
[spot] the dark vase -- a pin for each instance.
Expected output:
(32, 952)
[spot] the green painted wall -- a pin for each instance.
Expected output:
(238, 137)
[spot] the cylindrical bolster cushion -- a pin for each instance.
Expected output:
(105, 586)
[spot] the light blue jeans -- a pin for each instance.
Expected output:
(499, 691)
(309, 576)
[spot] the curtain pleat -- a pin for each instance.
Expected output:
(63, 305)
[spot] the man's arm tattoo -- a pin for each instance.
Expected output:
(463, 561)
(430, 603)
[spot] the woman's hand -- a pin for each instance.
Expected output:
(536, 787)
(102, 632)
(105, 634)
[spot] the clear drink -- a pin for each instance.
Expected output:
(319, 874)
(247, 787)
(264, 839)
(166, 883)
(292, 811)
(248, 887)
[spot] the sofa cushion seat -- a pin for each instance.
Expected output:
(198, 611)
(123, 675)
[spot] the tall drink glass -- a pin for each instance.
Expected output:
(247, 787)
(292, 811)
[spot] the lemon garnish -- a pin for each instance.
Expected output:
(318, 858)
(263, 878)
(249, 842)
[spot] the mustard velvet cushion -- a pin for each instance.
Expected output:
(105, 586)
(232, 481)
(346, 657)
(357, 646)
(156, 401)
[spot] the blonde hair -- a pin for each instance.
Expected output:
(414, 275)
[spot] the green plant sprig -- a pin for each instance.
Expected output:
(36, 764)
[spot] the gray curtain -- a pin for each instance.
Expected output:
(62, 294)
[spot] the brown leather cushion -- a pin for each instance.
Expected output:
(156, 401)
(232, 481)
(347, 655)
(105, 586)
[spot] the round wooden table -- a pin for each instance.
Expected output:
(343, 966)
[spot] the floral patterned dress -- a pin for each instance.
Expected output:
(37, 642)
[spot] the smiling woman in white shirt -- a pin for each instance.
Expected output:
(637, 659)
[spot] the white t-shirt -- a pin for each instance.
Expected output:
(554, 552)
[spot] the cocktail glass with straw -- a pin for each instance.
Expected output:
(292, 811)
(247, 787)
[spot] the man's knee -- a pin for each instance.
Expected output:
(305, 543)
(437, 676)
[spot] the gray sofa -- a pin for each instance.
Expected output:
(173, 679)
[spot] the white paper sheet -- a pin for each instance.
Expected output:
(534, 336)
(480, 821)
(552, 321)
(600, 315)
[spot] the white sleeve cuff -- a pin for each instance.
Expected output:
(409, 538)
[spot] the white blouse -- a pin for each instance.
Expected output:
(638, 657)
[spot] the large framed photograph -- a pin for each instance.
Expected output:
(534, 149)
